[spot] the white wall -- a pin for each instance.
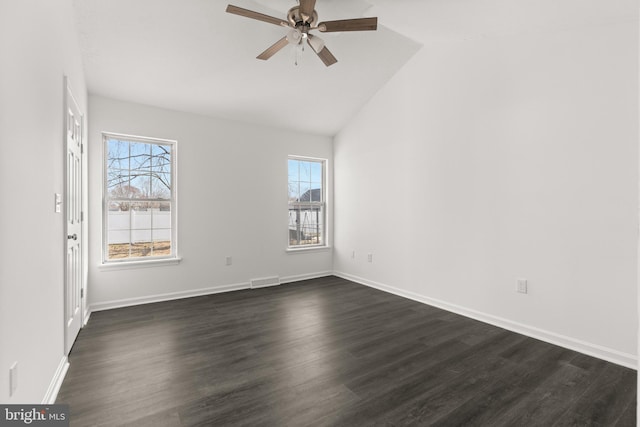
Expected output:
(498, 158)
(232, 201)
(38, 46)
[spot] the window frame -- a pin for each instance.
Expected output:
(106, 199)
(322, 204)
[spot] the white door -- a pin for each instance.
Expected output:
(73, 211)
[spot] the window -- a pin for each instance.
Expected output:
(307, 207)
(139, 198)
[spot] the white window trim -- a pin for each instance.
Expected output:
(325, 245)
(138, 262)
(309, 248)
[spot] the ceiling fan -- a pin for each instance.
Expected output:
(300, 21)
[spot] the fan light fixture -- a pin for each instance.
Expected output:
(294, 36)
(316, 43)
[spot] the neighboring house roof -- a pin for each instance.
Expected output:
(313, 195)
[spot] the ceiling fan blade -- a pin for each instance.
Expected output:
(326, 56)
(273, 49)
(255, 15)
(307, 7)
(358, 24)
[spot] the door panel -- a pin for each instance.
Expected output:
(73, 211)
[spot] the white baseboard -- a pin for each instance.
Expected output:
(300, 277)
(595, 350)
(127, 302)
(56, 382)
(87, 314)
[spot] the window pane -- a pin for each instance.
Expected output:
(138, 187)
(161, 150)
(161, 158)
(316, 192)
(118, 250)
(294, 174)
(305, 171)
(294, 191)
(141, 237)
(316, 172)
(118, 217)
(160, 185)
(117, 206)
(118, 234)
(118, 154)
(140, 217)
(306, 226)
(304, 192)
(140, 156)
(162, 247)
(162, 229)
(117, 178)
(141, 248)
(161, 226)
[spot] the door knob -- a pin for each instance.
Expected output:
(73, 236)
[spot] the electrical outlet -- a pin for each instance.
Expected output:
(369, 257)
(13, 378)
(228, 260)
(522, 286)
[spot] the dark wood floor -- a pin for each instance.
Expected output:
(329, 352)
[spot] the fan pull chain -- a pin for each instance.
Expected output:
(299, 51)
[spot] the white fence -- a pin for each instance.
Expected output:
(155, 225)
(145, 226)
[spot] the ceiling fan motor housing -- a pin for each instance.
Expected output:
(297, 20)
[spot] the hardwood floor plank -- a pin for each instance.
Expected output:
(329, 352)
(610, 393)
(549, 401)
(474, 372)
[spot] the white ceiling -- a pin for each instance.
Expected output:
(189, 55)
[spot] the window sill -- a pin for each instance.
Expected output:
(308, 249)
(128, 265)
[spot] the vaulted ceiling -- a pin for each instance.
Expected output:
(189, 55)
